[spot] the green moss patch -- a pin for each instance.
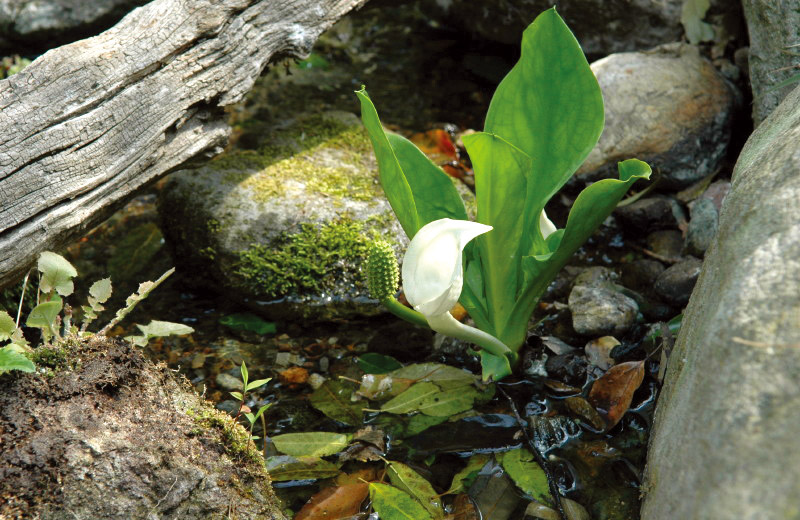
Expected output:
(309, 261)
(298, 153)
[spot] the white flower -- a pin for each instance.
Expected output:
(545, 226)
(433, 277)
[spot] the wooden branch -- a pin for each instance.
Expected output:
(86, 125)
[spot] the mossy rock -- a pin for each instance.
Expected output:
(286, 225)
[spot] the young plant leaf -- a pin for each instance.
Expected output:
(374, 363)
(282, 468)
(527, 474)
(333, 399)
(394, 504)
(101, 290)
(7, 326)
(44, 316)
(10, 359)
(57, 274)
(145, 288)
(243, 370)
(405, 478)
(158, 329)
(237, 395)
(310, 444)
(611, 395)
(257, 383)
(418, 190)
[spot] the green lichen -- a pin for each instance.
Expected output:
(309, 261)
(306, 153)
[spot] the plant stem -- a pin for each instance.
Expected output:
(401, 311)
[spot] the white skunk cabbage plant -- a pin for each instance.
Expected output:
(544, 119)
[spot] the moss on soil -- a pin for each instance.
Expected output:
(308, 261)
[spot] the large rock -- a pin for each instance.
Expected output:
(774, 28)
(100, 432)
(667, 106)
(27, 26)
(601, 26)
(725, 442)
(286, 226)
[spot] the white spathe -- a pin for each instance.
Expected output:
(545, 226)
(433, 276)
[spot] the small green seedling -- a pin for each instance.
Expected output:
(240, 396)
(544, 119)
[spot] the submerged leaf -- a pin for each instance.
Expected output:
(334, 502)
(333, 399)
(411, 399)
(394, 504)
(310, 444)
(285, 467)
(527, 474)
(405, 478)
(374, 363)
(464, 478)
(612, 394)
(246, 321)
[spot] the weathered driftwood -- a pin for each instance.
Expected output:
(88, 124)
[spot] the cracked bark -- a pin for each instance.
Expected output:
(88, 124)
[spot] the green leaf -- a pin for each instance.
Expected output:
(7, 326)
(237, 395)
(494, 368)
(373, 363)
(408, 480)
(159, 329)
(418, 423)
(464, 478)
(449, 402)
(145, 288)
(549, 106)
(250, 417)
(333, 399)
(500, 179)
(588, 211)
(257, 383)
(418, 190)
(527, 474)
(310, 444)
(10, 359)
(57, 274)
(101, 291)
(285, 467)
(394, 504)
(445, 376)
(245, 321)
(44, 316)
(262, 410)
(411, 399)
(243, 370)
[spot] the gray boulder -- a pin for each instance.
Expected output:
(285, 228)
(598, 306)
(601, 26)
(725, 442)
(667, 106)
(774, 28)
(36, 26)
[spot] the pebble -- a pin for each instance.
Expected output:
(599, 311)
(228, 382)
(702, 226)
(667, 243)
(641, 274)
(676, 283)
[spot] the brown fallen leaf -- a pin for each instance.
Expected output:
(334, 502)
(294, 375)
(463, 509)
(611, 395)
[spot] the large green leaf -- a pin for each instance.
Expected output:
(411, 399)
(500, 170)
(394, 504)
(405, 478)
(10, 359)
(7, 326)
(285, 467)
(549, 105)
(333, 399)
(310, 444)
(44, 316)
(418, 190)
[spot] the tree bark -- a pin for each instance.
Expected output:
(88, 124)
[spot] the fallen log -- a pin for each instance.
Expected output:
(88, 124)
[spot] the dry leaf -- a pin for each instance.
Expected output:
(334, 502)
(611, 395)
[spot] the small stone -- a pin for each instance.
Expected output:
(702, 227)
(282, 359)
(676, 283)
(600, 311)
(598, 351)
(640, 275)
(316, 380)
(652, 213)
(596, 277)
(228, 382)
(667, 243)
